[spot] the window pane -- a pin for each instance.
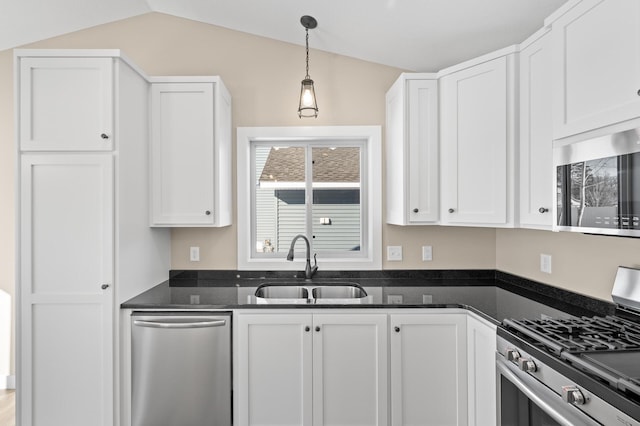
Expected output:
(280, 197)
(336, 206)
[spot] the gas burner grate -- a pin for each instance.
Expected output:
(576, 335)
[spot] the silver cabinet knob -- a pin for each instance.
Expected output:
(527, 365)
(512, 355)
(104, 136)
(451, 210)
(307, 328)
(573, 395)
(543, 209)
(396, 329)
(317, 328)
(104, 286)
(208, 212)
(416, 210)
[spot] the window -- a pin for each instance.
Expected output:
(322, 182)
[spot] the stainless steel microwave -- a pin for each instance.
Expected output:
(598, 185)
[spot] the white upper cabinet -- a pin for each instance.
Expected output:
(536, 140)
(66, 104)
(596, 65)
(190, 152)
(412, 150)
(477, 144)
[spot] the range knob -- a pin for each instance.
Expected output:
(512, 355)
(527, 365)
(573, 395)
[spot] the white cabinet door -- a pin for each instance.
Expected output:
(66, 104)
(66, 275)
(536, 140)
(428, 370)
(273, 384)
(350, 370)
(182, 153)
(481, 351)
(596, 66)
(412, 151)
(190, 153)
(476, 145)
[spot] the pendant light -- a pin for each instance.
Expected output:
(308, 107)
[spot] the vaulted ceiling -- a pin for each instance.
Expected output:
(416, 35)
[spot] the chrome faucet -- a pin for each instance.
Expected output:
(308, 270)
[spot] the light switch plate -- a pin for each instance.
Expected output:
(427, 253)
(394, 253)
(545, 263)
(194, 254)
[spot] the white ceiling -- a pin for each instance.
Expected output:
(417, 35)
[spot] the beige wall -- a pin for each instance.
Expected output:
(263, 77)
(584, 264)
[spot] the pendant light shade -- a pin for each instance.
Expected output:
(308, 105)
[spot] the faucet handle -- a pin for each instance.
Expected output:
(315, 261)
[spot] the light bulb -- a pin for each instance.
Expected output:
(307, 98)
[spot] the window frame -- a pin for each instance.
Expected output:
(371, 194)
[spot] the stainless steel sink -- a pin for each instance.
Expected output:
(319, 292)
(281, 294)
(351, 291)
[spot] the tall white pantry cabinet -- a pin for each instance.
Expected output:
(84, 241)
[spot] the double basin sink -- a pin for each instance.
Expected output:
(334, 292)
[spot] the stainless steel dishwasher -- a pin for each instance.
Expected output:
(181, 369)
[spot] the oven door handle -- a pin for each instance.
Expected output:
(550, 402)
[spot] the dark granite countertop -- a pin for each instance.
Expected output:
(493, 294)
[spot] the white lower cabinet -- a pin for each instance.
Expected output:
(66, 290)
(273, 369)
(346, 369)
(481, 371)
(428, 369)
(311, 369)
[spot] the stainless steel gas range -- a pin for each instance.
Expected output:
(576, 371)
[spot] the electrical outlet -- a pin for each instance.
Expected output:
(394, 299)
(194, 299)
(427, 298)
(194, 254)
(545, 263)
(427, 253)
(394, 253)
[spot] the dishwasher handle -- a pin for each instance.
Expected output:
(168, 325)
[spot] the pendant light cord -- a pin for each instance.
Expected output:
(307, 41)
